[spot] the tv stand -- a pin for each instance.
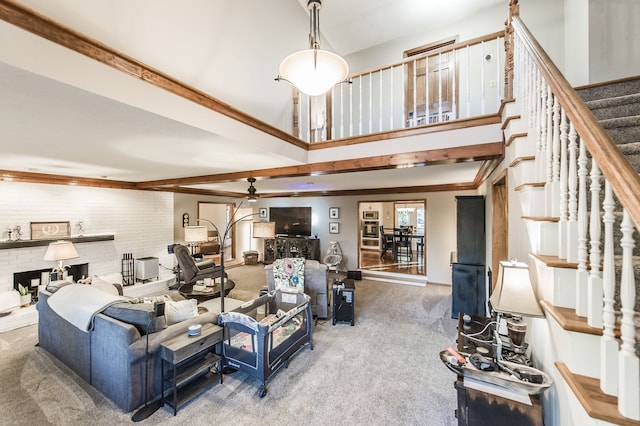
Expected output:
(281, 247)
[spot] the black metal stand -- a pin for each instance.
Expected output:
(149, 407)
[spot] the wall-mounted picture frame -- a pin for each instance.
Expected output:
(263, 213)
(334, 228)
(334, 212)
(49, 230)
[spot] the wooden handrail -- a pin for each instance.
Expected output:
(618, 171)
(444, 49)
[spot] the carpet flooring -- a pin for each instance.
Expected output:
(384, 370)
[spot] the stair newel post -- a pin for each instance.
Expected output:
(629, 365)
(581, 273)
(594, 302)
(608, 343)
(572, 176)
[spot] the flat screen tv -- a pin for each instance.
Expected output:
(291, 221)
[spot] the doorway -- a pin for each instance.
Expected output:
(430, 95)
(500, 224)
(219, 214)
(392, 236)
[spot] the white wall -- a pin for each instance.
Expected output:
(140, 220)
(614, 35)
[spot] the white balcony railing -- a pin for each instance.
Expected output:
(458, 81)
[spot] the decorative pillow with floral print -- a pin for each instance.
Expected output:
(289, 272)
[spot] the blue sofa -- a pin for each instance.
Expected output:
(111, 357)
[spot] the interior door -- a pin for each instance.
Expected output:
(430, 83)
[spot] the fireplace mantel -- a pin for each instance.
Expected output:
(4, 245)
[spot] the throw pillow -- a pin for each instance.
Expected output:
(138, 315)
(289, 272)
(106, 286)
(54, 286)
(176, 312)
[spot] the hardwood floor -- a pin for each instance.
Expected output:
(370, 260)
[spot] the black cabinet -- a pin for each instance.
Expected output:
(470, 230)
(468, 274)
(281, 247)
(468, 289)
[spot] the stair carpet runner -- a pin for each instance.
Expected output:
(617, 107)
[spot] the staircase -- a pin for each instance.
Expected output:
(575, 162)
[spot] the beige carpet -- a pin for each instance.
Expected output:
(382, 371)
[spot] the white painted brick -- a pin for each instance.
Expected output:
(142, 222)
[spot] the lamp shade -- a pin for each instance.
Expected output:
(196, 234)
(314, 71)
(513, 293)
(264, 229)
(60, 250)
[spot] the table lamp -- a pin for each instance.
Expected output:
(59, 251)
(514, 295)
(195, 234)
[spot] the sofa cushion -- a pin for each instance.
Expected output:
(137, 314)
(181, 310)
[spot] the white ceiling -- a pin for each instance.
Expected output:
(65, 114)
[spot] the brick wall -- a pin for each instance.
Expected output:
(142, 222)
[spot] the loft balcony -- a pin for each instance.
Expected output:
(451, 82)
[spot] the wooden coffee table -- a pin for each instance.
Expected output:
(210, 292)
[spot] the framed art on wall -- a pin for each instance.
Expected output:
(46, 230)
(334, 213)
(334, 228)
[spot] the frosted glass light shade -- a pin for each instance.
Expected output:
(314, 76)
(513, 293)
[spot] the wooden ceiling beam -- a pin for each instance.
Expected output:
(382, 162)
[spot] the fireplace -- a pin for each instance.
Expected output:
(35, 278)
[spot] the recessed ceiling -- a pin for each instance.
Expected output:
(56, 127)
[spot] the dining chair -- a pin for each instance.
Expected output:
(387, 243)
(402, 244)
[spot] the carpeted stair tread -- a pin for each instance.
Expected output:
(620, 88)
(621, 106)
(622, 130)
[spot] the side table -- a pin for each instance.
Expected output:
(189, 365)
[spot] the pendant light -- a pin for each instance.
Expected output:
(313, 71)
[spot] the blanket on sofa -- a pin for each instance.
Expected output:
(79, 304)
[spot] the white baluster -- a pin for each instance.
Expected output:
(440, 87)
(468, 85)
(608, 343)
(483, 95)
(541, 132)
(361, 120)
(554, 192)
(629, 367)
(380, 102)
(572, 225)
(548, 140)
(370, 103)
(350, 110)
(564, 205)
(594, 295)
(581, 273)
(341, 111)
(391, 98)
